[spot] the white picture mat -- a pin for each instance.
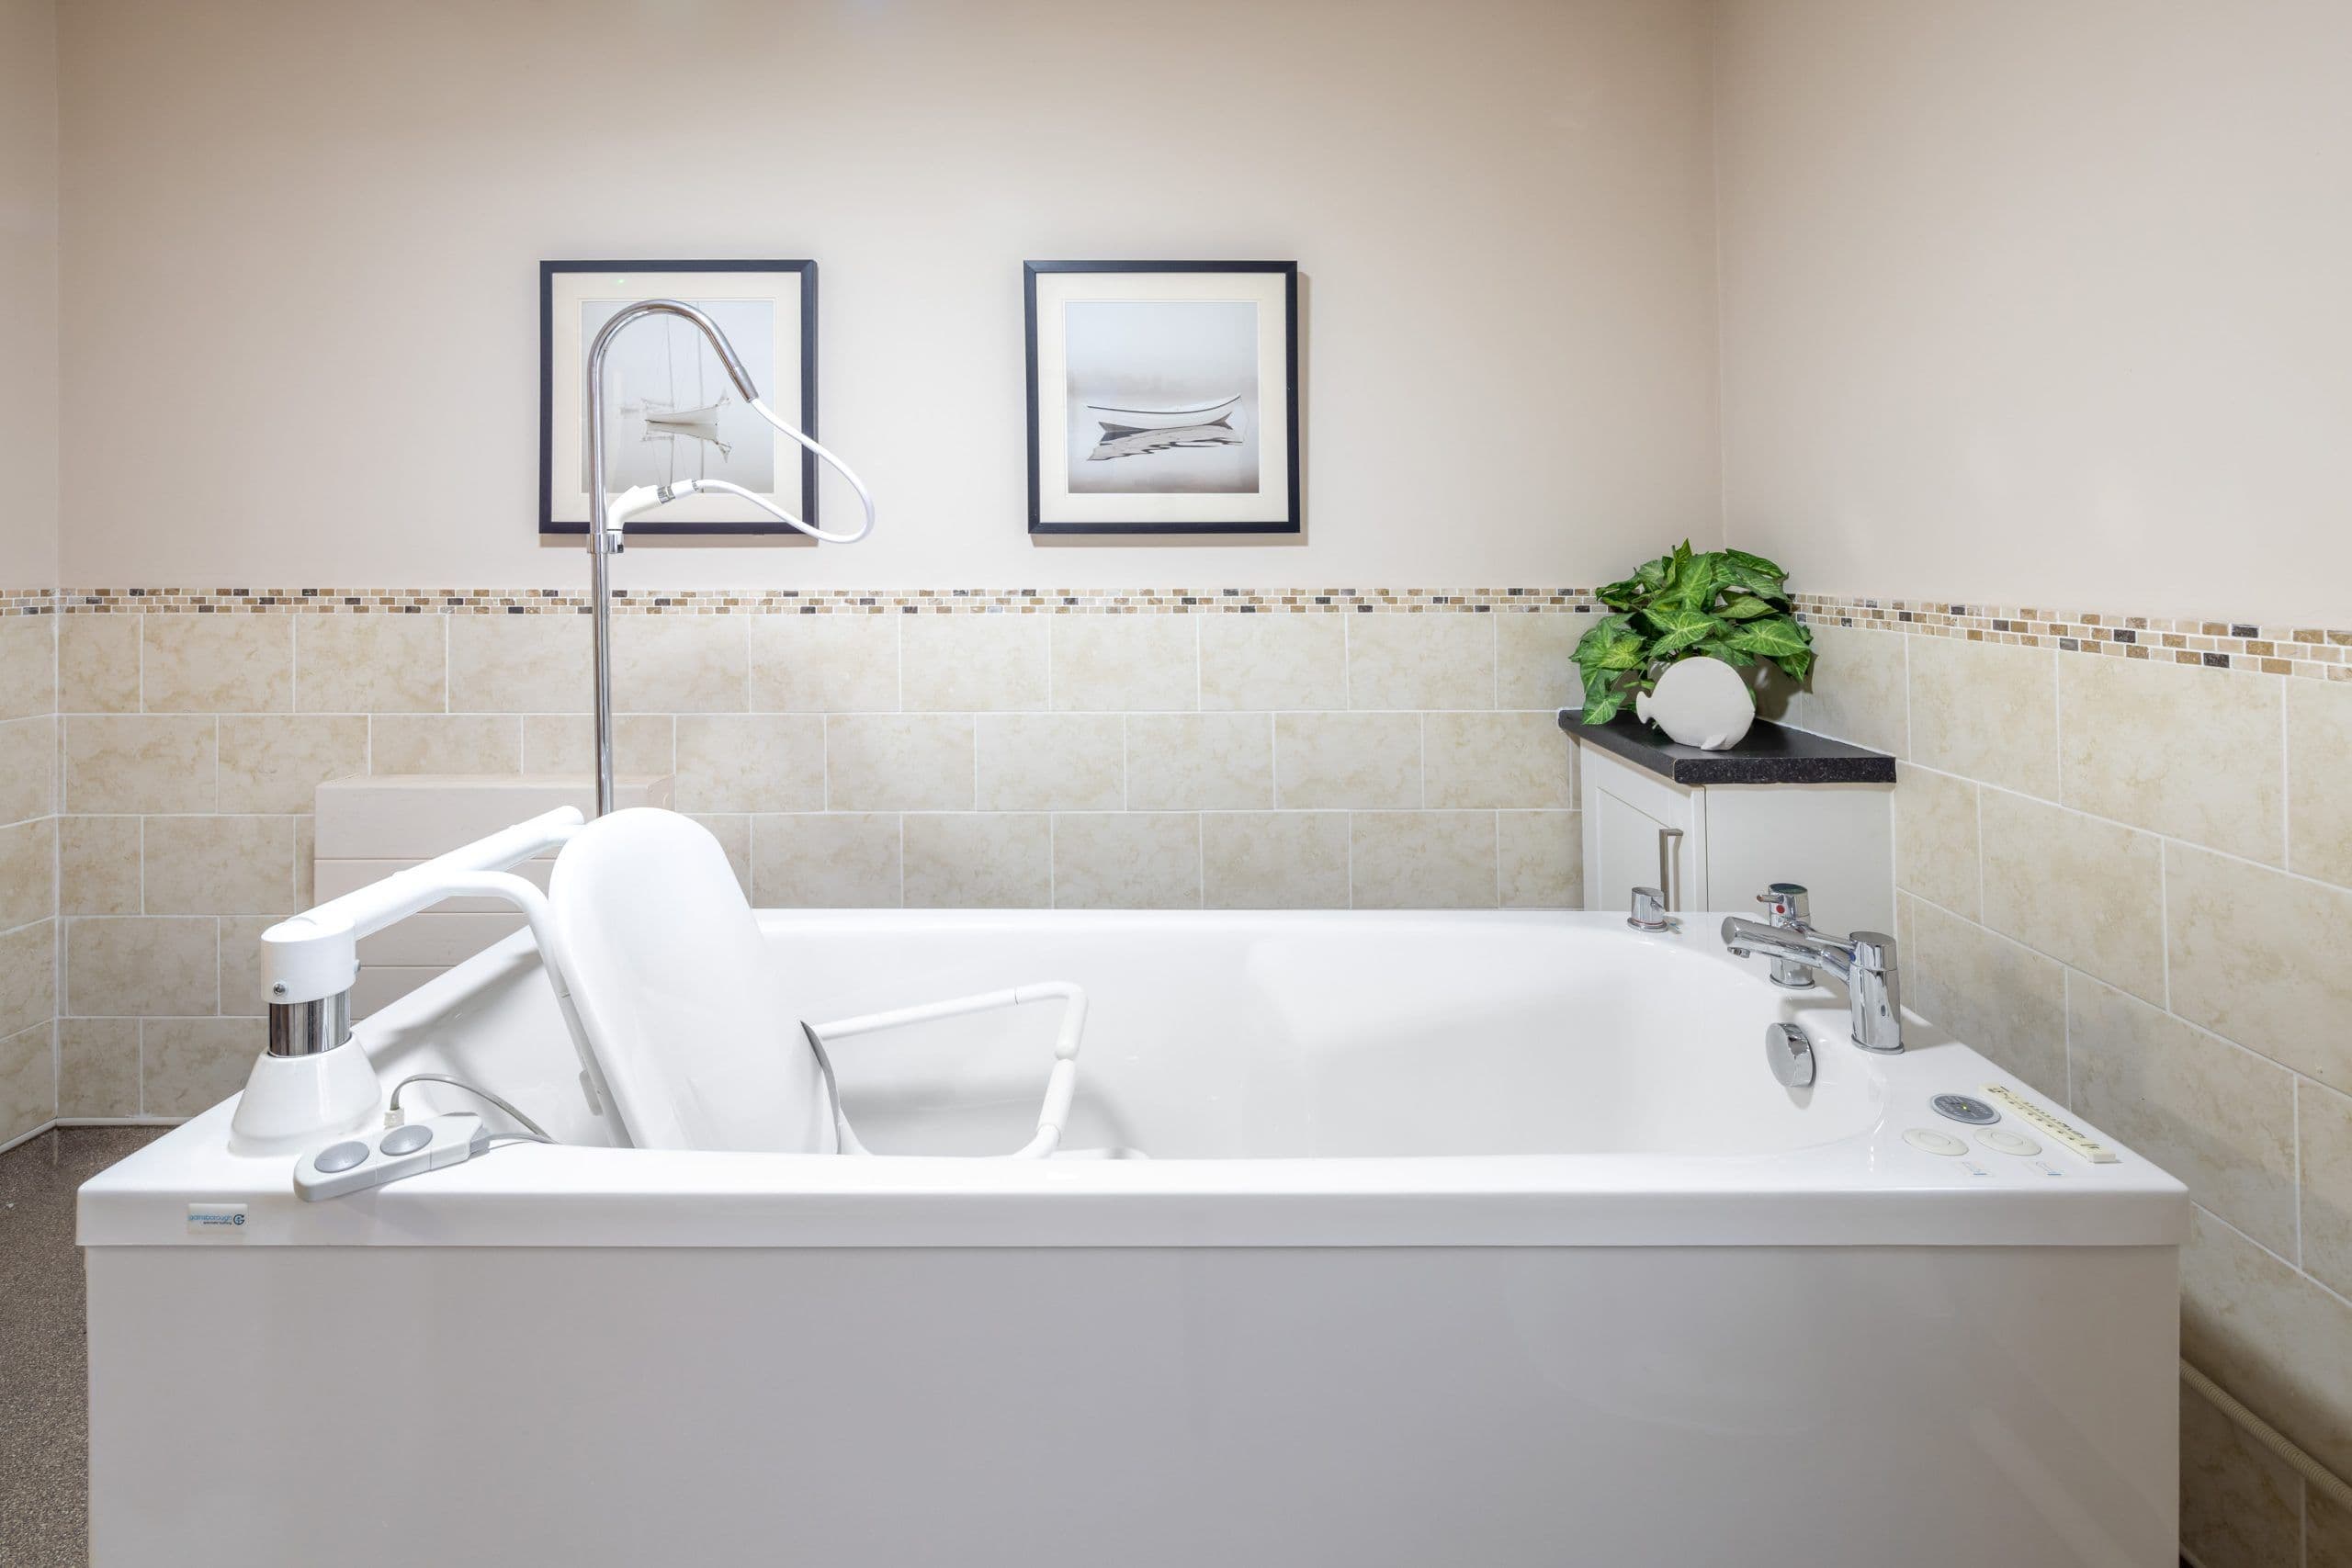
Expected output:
(568, 291)
(1270, 502)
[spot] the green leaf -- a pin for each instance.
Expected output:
(1757, 565)
(1744, 607)
(1601, 710)
(1779, 637)
(1626, 596)
(1678, 628)
(1720, 648)
(1613, 645)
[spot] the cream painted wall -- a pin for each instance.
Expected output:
(312, 230)
(2042, 304)
(29, 293)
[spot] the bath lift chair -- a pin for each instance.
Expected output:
(681, 1012)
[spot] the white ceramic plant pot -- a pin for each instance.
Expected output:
(1698, 701)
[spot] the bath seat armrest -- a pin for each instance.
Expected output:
(1061, 1084)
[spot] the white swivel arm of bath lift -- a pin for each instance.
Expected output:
(1061, 1086)
(315, 954)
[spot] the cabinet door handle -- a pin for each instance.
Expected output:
(1668, 838)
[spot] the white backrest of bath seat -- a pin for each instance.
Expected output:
(679, 994)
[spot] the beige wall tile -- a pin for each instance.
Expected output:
(1420, 661)
(1935, 839)
(681, 664)
(97, 866)
(219, 865)
(28, 872)
(1147, 663)
(2007, 1000)
(1134, 860)
(394, 663)
(2259, 956)
(566, 743)
(1422, 859)
(1272, 662)
(825, 663)
(2270, 1336)
(1364, 760)
(766, 761)
(1517, 760)
(1985, 711)
(2318, 779)
(1541, 859)
(972, 663)
(273, 763)
(2214, 1114)
(2241, 1505)
(733, 831)
(97, 1066)
(1856, 692)
(2324, 1121)
(27, 769)
(143, 967)
(1274, 860)
(2327, 1531)
(28, 976)
(479, 742)
(28, 1081)
(98, 663)
(979, 861)
(842, 860)
(1535, 660)
(2181, 750)
(898, 762)
(2083, 891)
(1208, 761)
(29, 655)
(194, 1063)
(240, 937)
(139, 762)
(223, 663)
(522, 663)
(1050, 763)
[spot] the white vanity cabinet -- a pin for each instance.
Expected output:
(1716, 828)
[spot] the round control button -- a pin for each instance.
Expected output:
(406, 1140)
(2006, 1142)
(1935, 1143)
(340, 1156)
(1960, 1108)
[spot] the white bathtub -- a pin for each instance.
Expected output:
(1477, 1240)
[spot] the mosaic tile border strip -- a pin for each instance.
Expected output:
(817, 601)
(2318, 653)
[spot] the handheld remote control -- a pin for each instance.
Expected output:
(349, 1164)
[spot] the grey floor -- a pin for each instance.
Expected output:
(44, 1365)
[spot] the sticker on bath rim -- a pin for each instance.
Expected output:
(216, 1219)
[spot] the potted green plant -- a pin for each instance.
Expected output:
(1681, 629)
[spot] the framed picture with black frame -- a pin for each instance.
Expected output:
(1163, 396)
(672, 413)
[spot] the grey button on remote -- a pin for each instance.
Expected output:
(340, 1156)
(407, 1140)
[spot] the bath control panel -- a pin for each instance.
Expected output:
(1979, 1115)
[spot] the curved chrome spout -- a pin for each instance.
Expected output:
(603, 543)
(1865, 962)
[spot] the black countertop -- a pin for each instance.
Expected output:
(1768, 754)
